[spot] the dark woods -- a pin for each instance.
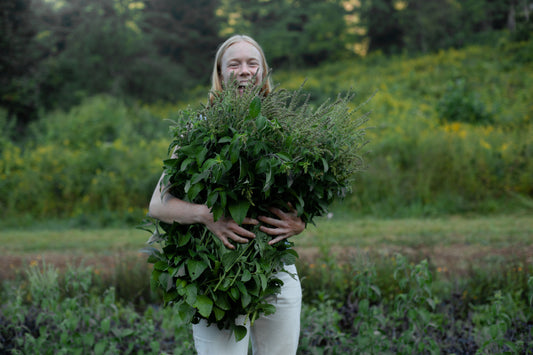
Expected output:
(54, 53)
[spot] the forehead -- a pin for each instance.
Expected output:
(241, 50)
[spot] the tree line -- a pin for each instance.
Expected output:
(55, 53)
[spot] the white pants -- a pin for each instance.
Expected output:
(276, 334)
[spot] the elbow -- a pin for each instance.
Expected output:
(154, 209)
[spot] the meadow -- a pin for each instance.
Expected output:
(431, 253)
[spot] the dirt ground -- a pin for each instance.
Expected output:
(454, 260)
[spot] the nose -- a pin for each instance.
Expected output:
(244, 70)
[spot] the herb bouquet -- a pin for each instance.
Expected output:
(240, 155)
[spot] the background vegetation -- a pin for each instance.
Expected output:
(85, 88)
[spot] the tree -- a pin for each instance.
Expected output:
(186, 32)
(18, 60)
(383, 27)
(292, 32)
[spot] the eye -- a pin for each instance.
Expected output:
(233, 65)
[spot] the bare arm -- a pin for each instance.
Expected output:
(168, 208)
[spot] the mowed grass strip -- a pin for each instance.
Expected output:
(494, 231)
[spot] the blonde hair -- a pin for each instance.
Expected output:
(216, 81)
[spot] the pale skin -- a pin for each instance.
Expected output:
(241, 62)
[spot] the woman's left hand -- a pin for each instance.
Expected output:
(286, 226)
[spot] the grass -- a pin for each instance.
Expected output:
(366, 232)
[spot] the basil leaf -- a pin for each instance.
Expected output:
(239, 210)
(204, 305)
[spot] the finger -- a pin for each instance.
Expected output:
(277, 212)
(226, 243)
(272, 231)
(250, 221)
(238, 238)
(276, 240)
(272, 221)
(241, 232)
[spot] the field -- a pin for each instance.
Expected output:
(475, 267)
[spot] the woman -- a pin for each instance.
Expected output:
(241, 58)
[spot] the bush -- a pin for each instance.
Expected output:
(458, 104)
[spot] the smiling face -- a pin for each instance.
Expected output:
(242, 62)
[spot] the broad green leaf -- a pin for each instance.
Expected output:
(222, 301)
(234, 293)
(200, 157)
(185, 164)
(268, 309)
(161, 265)
(224, 139)
(255, 107)
(260, 122)
(239, 210)
(195, 268)
(204, 305)
(235, 149)
(212, 198)
(186, 312)
(263, 279)
(190, 293)
(219, 314)
(183, 239)
(240, 332)
(194, 191)
(246, 276)
(245, 300)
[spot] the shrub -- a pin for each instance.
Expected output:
(458, 104)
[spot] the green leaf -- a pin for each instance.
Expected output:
(183, 239)
(186, 312)
(204, 305)
(245, 300)
(246, 276)
(222, 301)
(212, 198)
(239, 210)
(191, 292)
(326, 165)
(255, 107)
(234, 293)
(235, 149)
(194, 191)
(225, 139)
(195, 268)
(161, 265)
(240, 332)
(219, 314)
(200, 157)
(260, 122)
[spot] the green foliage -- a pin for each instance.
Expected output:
(459, 104)
(292, 33)
(67, 317)
(90, 159)
(240, 155)
(70, 312)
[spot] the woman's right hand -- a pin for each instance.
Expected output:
(227, 229)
